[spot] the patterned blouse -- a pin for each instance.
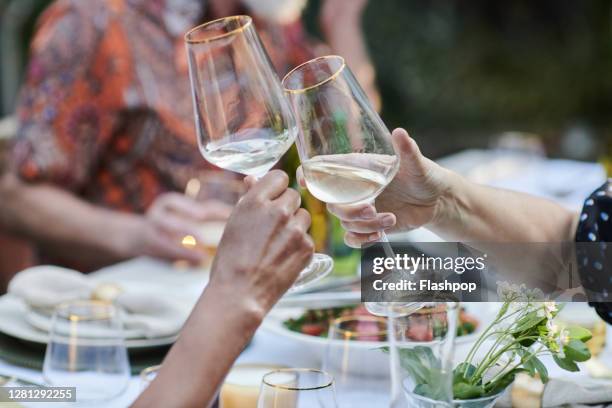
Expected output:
(594, 250)
(106, 108)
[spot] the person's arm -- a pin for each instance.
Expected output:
(424, 194)
(90, 235)
(263, 249)
(341, 26)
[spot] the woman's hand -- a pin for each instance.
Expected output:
(413, 199)
(170, 218)
(264, 245)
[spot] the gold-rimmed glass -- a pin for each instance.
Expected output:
(243, 120)
(355, 357)
(86, 350)
(345, 148)
(147, 376)
(297, 388)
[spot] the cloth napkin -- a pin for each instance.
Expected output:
(146, 312)
(527, 392)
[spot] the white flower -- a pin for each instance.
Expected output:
(563, 338)
(509, 292)
(534, 295)
(550, 308)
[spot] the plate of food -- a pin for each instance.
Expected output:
(311, 325)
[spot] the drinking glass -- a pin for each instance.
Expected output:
(355, 357)
(421, 353)
(297, 388)
(86, 350)
(242, 385)
(220, 186)
(243, 120)
(148, 375)
(344, 146)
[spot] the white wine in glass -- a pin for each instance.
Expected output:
(348, 178)
(344, 146)
(243, 119)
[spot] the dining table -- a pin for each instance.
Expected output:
(548, 178)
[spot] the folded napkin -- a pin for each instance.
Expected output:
(528, 392)
(146, 312)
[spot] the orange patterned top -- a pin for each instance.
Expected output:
(106, 109)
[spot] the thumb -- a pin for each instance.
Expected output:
(250, 181)
(408, 151)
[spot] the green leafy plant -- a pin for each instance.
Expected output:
(521, 333)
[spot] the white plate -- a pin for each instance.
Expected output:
(484, 312)
(15, 324)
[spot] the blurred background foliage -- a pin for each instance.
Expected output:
(457, 73)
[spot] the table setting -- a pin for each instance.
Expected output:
(107, 332)
(355, 342)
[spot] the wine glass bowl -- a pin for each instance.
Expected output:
(344, 146)
(243, 120)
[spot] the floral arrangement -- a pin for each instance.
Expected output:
(522, 331)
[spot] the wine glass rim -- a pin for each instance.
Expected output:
(354, 333)
(144, 374)
(62, 310)
(246, 22)
(318, 84)
(328, 383)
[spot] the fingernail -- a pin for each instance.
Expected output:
(374, 237)
(368, 212)
(388, 221)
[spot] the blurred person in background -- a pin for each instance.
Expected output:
(106, 139)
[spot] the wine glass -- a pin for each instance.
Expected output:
(344, 146)
(356, 359)
(147, 376)
(86, 350)
(297, 388)
(243, 120)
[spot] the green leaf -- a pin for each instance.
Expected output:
(577, 351)
(465, 391)
(463, 372)
(540, 368)
(502, 383)
(565, 363)
(529, 321)
(530, 366)
(579, 333)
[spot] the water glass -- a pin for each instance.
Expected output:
(297, 388)
(356, 358)
(86, 350)
(421, 354)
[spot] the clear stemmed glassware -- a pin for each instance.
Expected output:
(86, 350)
(344, 146)
(243, 120)
(297, 388)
